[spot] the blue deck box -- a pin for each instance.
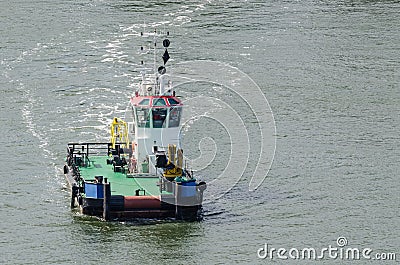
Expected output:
(188, 188)
(94, 190)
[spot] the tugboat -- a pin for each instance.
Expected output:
(140, 172)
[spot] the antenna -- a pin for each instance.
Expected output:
(144, 28)
(155, 51)
(154, 81)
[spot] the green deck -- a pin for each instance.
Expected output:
(121, 183)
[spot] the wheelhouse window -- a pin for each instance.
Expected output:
(144, 102)
(159, 117)
(143, 117)
(172, 101)
(159, 102)
(174, 117)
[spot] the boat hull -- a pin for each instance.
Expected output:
(143, 208)
(104, 189)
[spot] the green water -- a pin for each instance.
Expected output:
(330, 72)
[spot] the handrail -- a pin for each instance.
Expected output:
(86, 147)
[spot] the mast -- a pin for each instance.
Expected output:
(156, 112)
(156, 77)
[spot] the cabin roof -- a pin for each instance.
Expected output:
(156, 101)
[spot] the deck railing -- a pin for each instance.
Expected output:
(91, 148)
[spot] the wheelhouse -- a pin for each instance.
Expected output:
(156, 112)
